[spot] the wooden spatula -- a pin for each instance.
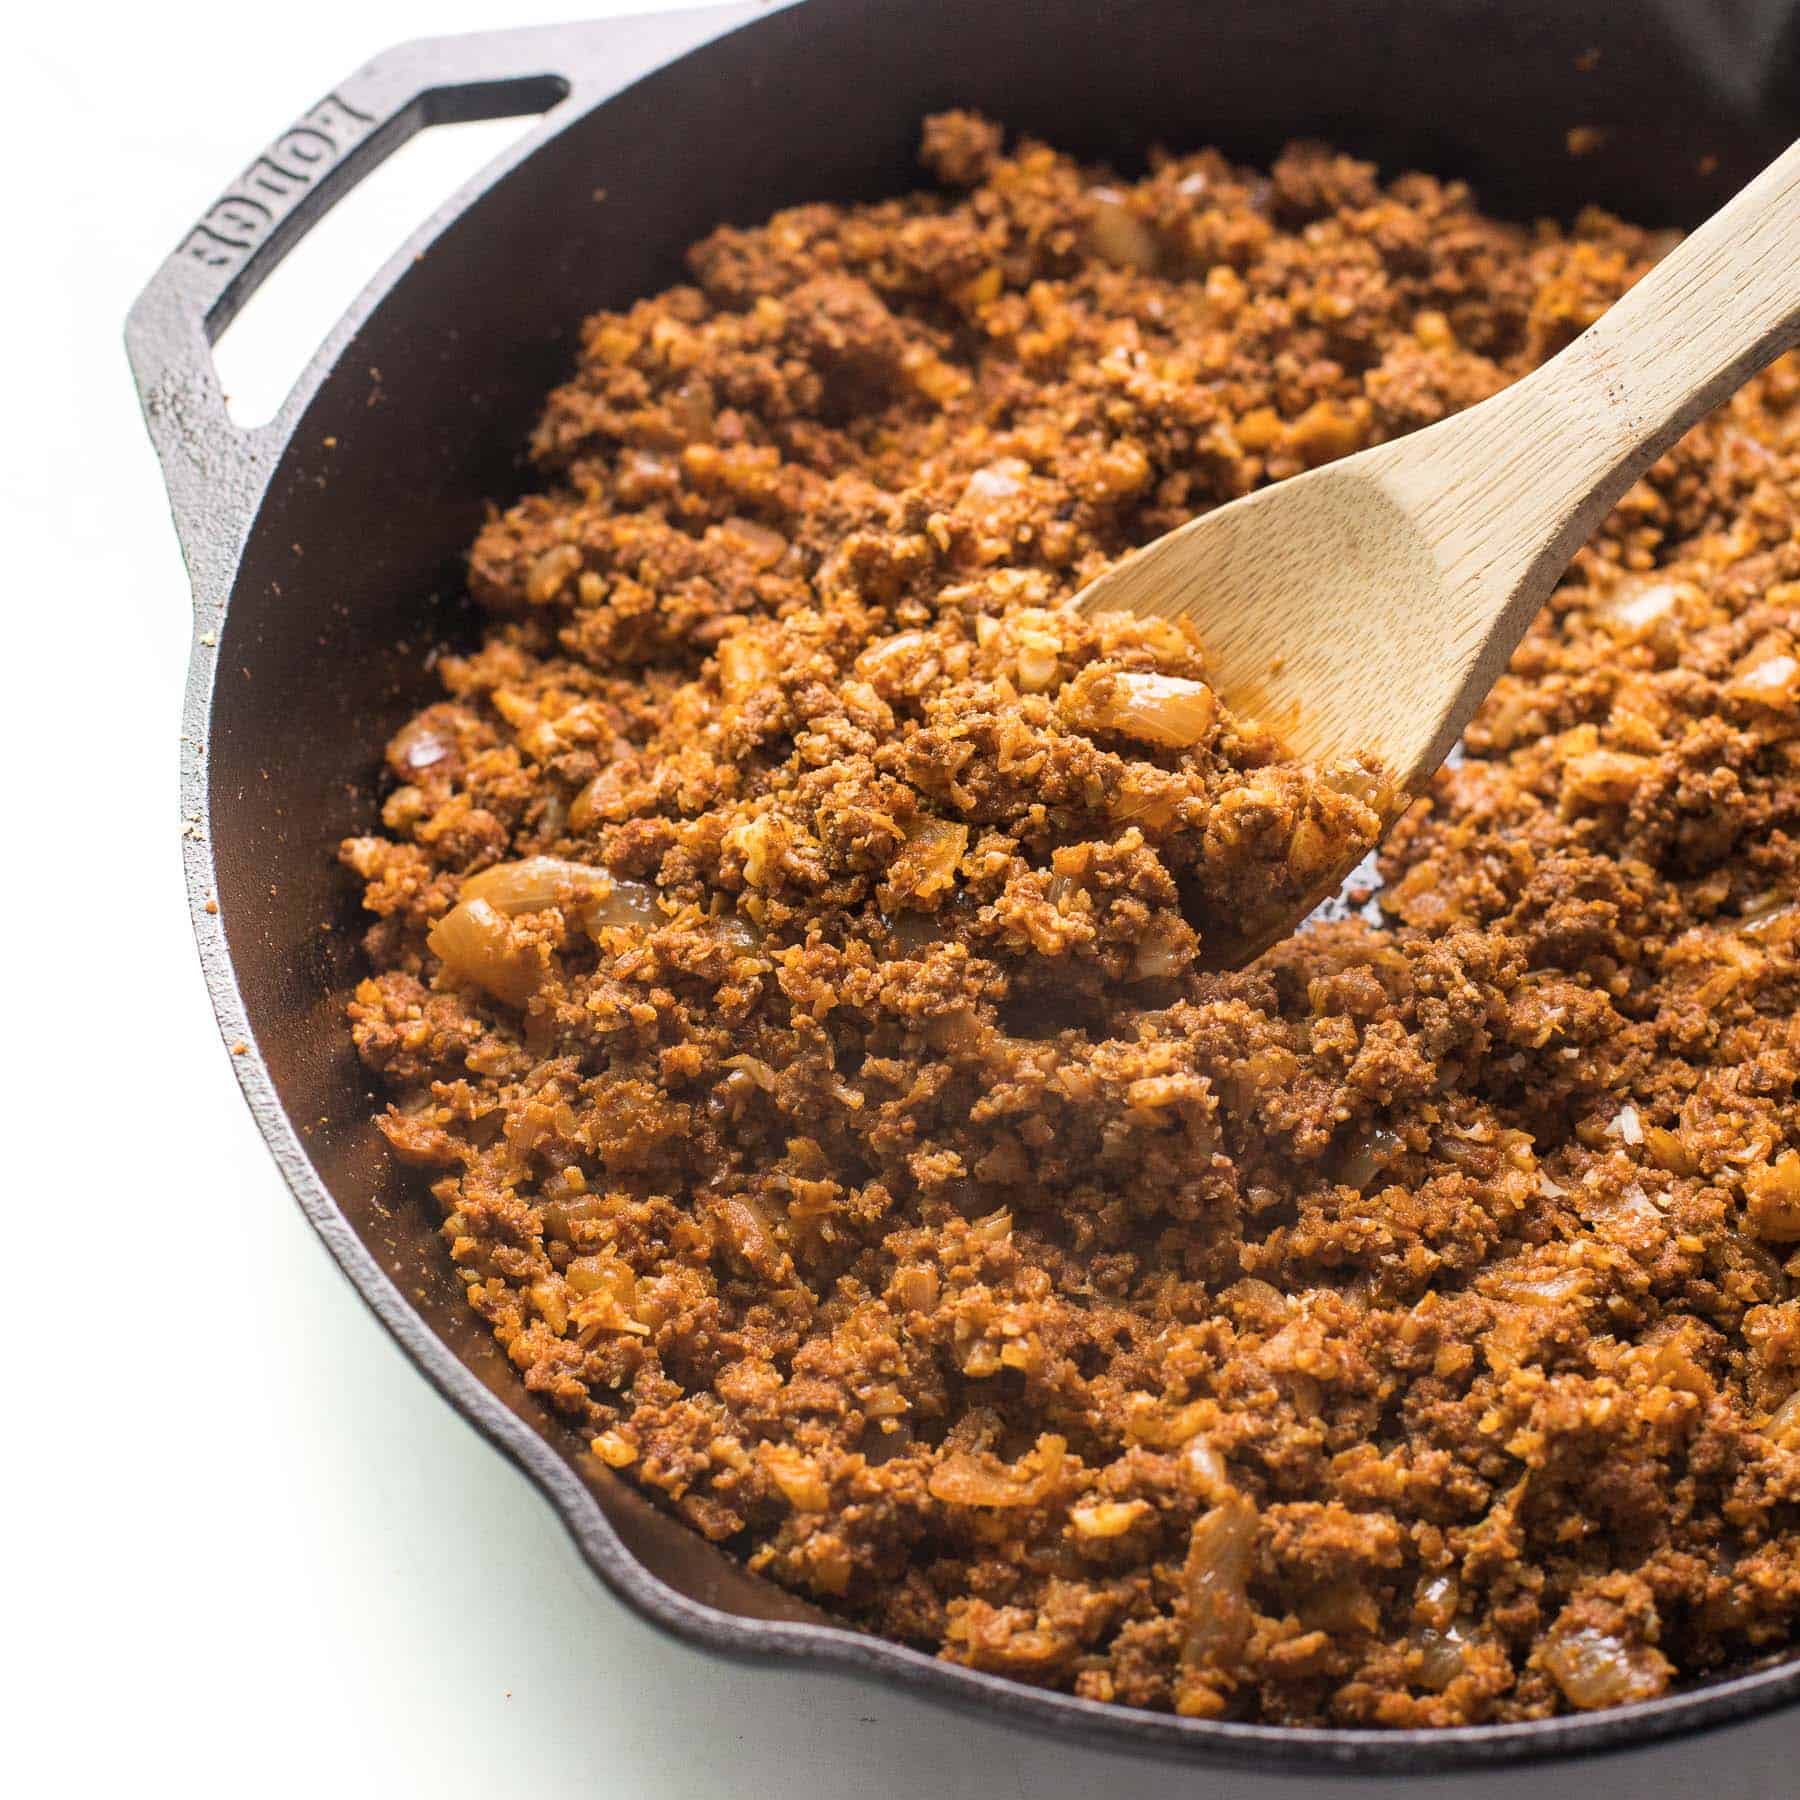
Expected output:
(1367, 607)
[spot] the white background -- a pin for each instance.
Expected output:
(245, 1549)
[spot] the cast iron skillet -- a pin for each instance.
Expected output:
(325, 549)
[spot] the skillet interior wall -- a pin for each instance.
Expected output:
(354, 568)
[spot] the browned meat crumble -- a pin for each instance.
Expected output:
(786, 963)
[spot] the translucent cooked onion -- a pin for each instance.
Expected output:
(1784, 1423)
(1164, 951)
(1440, 1656)
(1167, 710)
(1606, 777)
(1668, 1150)
(746, 665)
(475, 941)
(1594, 1669)
(996, 481)
(1116, 234)
(793, 1472)
(1774, 1194)
(915, 1287)
(926, 866)
(1106, 1518)
(963, 1479)
(1771, 681)
(1637, 605)
(1145, 799)
(1204, 1473)
(1367, 1156)
(1627, 1125)
(422, 744)
(537, 881)
(613, 1450)
(550, 571)
(746, 1230)
(624, 903)
(758, 1071)
(1772, 916)
(1216, 1582)
(606, 1294)
(1553, 1288)
(1341, 1607)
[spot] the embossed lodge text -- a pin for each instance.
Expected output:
(236, 222)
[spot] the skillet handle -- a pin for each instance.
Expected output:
(216, 471)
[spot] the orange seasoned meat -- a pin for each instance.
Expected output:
(789, 967)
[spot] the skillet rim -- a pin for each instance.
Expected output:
(165, 337)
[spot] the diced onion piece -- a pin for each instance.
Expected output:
(758, 1071)
(757, 544)
(1147, 797)
(475, 941)
(1627, 1125)
(746, 664)
(550, 571)
(1039, 650)
(1638, 605)
(746, 1230)
(549, 1299)
(1358, 779)
(1773, 916)
(1340, 1607)
(1668, 1151)
(1368, 1156)
(1606, 777)
(1440, 1656)
(925, 868)
(996, 481)
(906, 663)
(586, 807)
(1784, 1423)
(1594, 1669)
(1165, 950)
(1552, 1288)
(535, 882)
(540, 881)
(624, 903)
(1774, 1195)
(1772, 681)
(1216, 1584)
(1106, 1518)
(1167, 710)
(1438, 1597)
(613, 1450)
(691, 411)
(736, 930)
(962, 1479)
(915, 1287)
(1203, 1472)
(801, 1484)
(1116, 234)
(421, 744)
(606, 1290)
(991, 1229)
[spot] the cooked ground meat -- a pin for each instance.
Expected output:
(789, 960)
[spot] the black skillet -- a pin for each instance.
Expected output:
(325, 549)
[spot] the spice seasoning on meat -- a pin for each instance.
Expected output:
(786, 969)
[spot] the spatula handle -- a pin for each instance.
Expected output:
(1515, 487)
(1720, 305)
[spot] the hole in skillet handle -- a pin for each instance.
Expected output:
(365, 197)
